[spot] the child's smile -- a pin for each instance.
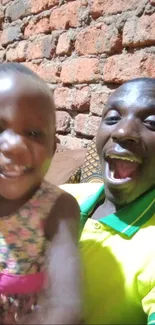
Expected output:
(26, 135)
(14, 171)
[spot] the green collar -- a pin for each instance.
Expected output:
(127, 220)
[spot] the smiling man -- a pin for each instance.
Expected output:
(118, 218)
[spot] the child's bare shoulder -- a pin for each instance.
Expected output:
(63, 207)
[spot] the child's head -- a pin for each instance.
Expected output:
(126, 141)
(27, 130)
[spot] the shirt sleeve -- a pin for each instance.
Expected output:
(148, 304)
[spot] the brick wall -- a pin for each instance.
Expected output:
(83, 49)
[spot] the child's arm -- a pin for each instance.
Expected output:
(64, 267)
(62, 304)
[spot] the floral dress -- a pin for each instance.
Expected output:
(22, 251)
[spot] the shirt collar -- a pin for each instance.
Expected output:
(127, 220)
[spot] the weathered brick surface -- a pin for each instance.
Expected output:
(139, 31)
(2, 55)
(99, 99)
(80, 70)
(36, 26)
(120, 68)
(98, 39)
(87, 125)
(40, 5)
(72, 99)
(4, 2)
(72, 142)
(10, 34)
(20, 8)
(17, 52)
(64, 44)
(63, 120)
(1, 14)
(99, 7)
(47, 70)
(41, 47)
(68, 15)
(83, 49)
(17, 9)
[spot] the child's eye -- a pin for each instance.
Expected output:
(37, 134)
(1, 130)
(150, 122)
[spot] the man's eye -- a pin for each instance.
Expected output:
(111, 120)
(150, 123)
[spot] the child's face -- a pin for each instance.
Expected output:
(27, 132)
(126, 142)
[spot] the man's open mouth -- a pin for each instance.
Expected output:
(12, 171)
(122, 167)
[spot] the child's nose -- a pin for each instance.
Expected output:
(12, 144)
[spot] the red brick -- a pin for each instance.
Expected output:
(4, 2)
(87, 125)
(49, 71)
(41, 47)
(72, 99)
(10, 34)
(35, 26)
(120, 68)
(71, 142)
(64, 45)
(81, 99)
(31, 65)
(40, 5)
(140, 31)
(80, 70)
(20, 8)
(17, 52)
(99, 99)
(1, 14)
(101, 7)
(17, 9)
(62, 98)
(97, 40)
(68, 15)
(2, 55)
(63, 120)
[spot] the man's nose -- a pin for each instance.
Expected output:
(12, 144)
(126, 131)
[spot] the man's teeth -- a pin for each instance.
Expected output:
(112, 173)
(121, 158)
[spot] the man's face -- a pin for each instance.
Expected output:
(126, 142)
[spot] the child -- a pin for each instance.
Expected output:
(118, 238)
(39, 262)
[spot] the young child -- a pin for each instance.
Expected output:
(39, 223)
(118, 238)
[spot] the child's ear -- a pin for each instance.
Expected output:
(56, 140)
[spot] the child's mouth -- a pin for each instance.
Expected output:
(13, 171)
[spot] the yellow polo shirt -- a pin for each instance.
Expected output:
(118, 254)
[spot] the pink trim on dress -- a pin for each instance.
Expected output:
(11, 284)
